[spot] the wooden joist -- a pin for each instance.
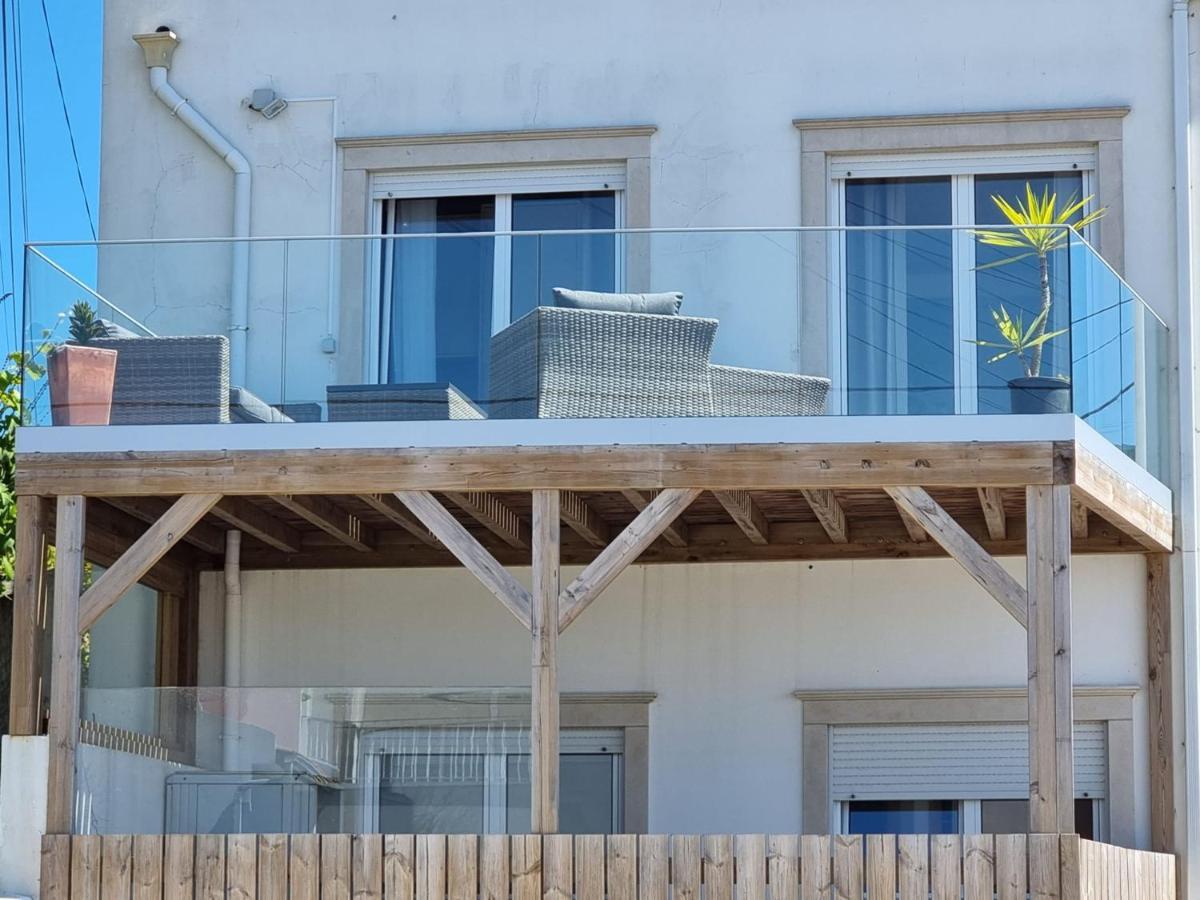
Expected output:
(916, 533)
(472, 554)
(746, 515)
(992, 503)
(259, 524)
(397, 513)
(150, 509)
(829, 513)
(582, 519)
(675, 534)
(330, 518)
(141, 557)
(624, 549)
(977, 562)
(496, 517)
(111, 532)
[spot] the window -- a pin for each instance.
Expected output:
(465, 780)
(442, 298)
(910, 301)
(954, 817)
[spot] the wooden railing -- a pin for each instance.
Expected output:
(591, 867)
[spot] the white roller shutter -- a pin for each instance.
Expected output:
(951, 762)
(475, 181)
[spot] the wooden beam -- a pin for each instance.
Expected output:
(1160, 702)
(829, 513)
(141, 557)
(111, 532)
(472, 554)
(1051, 711)
(582, 519)
(1079, 520)
(746, 515)
(397, 513)
(29, 617)
(493, 515)
(64, 663)
(608, 467)
(952, 538)
(624, 549)
(543, 733)
(330, 518)
(150, 509)
(675, 534)
(1102, 490)
(258, 523)
(916, 533)
(992, 503)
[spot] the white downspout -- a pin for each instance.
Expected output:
(1189, 586)
(233, 647)
(159, 47)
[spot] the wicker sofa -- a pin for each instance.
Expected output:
(586, 363)
(180, 381)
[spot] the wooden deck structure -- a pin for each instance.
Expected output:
(159, 517)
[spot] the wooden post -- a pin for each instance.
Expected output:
(544, 730)
(1051, 719)
(64, 663)
(29, 617)
(1158, 655)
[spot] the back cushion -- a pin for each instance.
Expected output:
(664, 304)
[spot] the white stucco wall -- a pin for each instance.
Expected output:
(723, 645)
(721, 84)
(24, 770)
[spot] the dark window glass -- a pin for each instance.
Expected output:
(587, 786)
(904, 817)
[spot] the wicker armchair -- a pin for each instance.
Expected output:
(575, 363)
(179, 381)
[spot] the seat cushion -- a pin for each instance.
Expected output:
(664, 304)
(246, 407)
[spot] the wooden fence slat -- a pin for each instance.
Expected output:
(557, 867)
(912, 866)
(621, 864)
(210, 867)
(241, 866)
(783, 866)
(147, 867)
(685, 866)
(115, 867)
(430, 868)
(945, 866)
(56, 867)
(750, 853)
(335, 867)
(179, 866)
(881, 866)
(493, 868)
(1011, 852)
(816, 882)
(462, 866)
(526, 867)
(85, 867)
(653, 862)
(1068, 867)
(366, 867)
(273, 867)
(304, 869)
(1043, 867)
(717, 866)
(979, 867)
(589, 867)
(848, 866)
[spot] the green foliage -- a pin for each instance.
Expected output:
(10, 416)
(1016, 339)
(86, 326)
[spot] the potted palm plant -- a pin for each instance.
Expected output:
(81, 376)
(1041, 229)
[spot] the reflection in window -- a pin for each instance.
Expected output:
(904, 817)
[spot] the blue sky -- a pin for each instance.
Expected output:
(53, 201)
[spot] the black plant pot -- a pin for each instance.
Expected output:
(1038, 396)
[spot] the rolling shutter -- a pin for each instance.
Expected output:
(951, 762)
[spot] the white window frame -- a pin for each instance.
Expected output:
(378, 744)
(499, 182)
(961, 168)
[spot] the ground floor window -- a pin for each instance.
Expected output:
(1005, 816)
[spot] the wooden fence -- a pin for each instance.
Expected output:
(590, 867)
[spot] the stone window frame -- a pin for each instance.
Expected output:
(361, 157)
(821, 710)
(823, 140)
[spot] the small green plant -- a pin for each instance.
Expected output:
(85, 325)
(1041, 228)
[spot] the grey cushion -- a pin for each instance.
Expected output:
(665, 304)
(245, 407)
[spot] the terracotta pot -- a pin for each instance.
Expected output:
(81, 384)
